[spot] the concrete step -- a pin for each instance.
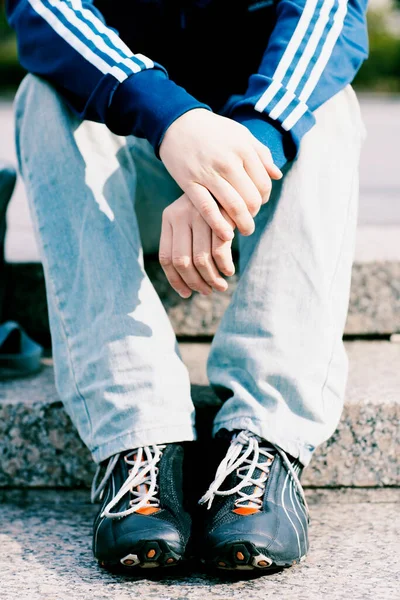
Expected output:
(45, 554)
(374, 304)
(40, 448)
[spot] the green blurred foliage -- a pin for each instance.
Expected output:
(10, 71)
(381, 72)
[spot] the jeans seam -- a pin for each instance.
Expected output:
(63, 328)
(64, 331)
(330, 292)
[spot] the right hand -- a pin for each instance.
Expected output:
(215, 160)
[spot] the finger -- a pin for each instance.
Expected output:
(259, 176)
(182, 260)
(266, 158)
(202, 254)
(222, 255)
(222, 252)
(165, 258)
(232, 202)
(240, 179)
(206, 205)
(227, 218)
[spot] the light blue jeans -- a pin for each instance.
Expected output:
(277, 359)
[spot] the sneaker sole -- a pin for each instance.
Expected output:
(149, 554)
(245, 556)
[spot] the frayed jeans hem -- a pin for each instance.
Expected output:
(295, 448)
(145, 437)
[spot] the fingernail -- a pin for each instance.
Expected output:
(185, 294)
(229, 234)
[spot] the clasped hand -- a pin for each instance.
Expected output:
(225, 174)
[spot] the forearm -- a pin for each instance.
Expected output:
(315, 50)
(102, 80)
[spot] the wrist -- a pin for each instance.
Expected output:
(268, 133)
(178, 127)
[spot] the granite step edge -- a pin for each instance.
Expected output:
(39, 446)
(374, 308)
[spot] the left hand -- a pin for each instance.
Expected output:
(191, 255)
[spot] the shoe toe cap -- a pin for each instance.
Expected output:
(278, 539)
(114, 538)
(250, 528)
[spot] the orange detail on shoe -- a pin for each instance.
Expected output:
(128, 562)
(240, 555)
(147, 510)
(151, 553)
(263, 563)
(221, 564)
(170, 561)
(246, 510)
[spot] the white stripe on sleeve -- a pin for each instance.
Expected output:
(282, 105)
(319, 66)
(311, 46)
(289, 54)
(294, 116)
(325, 55)
(268, 95)
(305, 59)
(75, 42)
(112, 36)
(97, 39)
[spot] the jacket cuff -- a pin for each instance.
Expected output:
(268, 133)
(146, 104)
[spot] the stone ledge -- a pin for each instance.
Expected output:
(374, 303)
(39, 447)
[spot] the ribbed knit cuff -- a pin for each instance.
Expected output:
(267, 132)
(146, 104)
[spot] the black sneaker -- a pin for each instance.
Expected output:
(258, 516)
(142, 521)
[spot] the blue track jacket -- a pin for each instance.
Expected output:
(137, 65)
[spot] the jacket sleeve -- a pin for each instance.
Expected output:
(68, 43)
(314, 51)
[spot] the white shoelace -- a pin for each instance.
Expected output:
(141, 482)
(243, 456)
